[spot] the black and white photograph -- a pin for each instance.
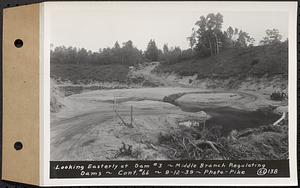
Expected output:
(168, 81)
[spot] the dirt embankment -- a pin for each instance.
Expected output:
(261, 85)
(146, 75)
(256, 67)
(56, 97)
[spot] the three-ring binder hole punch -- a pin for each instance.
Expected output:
(18, 146)
(18, 43)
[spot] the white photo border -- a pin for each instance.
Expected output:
(290, 7)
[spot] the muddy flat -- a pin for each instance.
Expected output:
(91, 124)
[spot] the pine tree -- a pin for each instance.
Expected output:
(152, 51)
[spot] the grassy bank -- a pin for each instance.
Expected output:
(253, 61)
(89, 73)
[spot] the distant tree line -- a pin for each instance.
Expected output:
(127, 55)
(207, 39)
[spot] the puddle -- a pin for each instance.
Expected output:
(227, 117)
(230, 118)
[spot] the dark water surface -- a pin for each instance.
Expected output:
(231, 118)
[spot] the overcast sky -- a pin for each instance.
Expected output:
(99, 25)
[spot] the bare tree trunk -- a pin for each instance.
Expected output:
(217, 44)
(210, 46)
(216, 49)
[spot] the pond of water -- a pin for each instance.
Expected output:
(231, 118)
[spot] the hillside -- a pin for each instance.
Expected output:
(253, 68)
(255, 61)
(85, 73)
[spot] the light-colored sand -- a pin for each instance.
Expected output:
(157, 93)
(209, 97)
(89, 129)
